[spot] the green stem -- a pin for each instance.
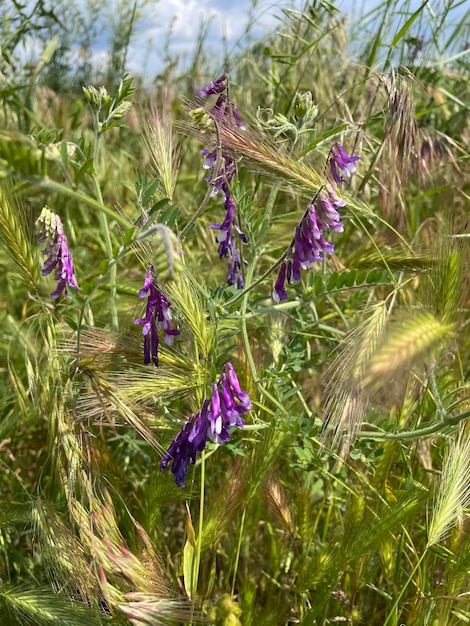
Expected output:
(250, 286)
(192, 221)
(122, 250)
(201, 521)
(244, 328)
(52, 185)
(418, 433)
(246, 342)
(400, 595)
(214, 176)
(237, 556)
(104, 227)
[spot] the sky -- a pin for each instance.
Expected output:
(228, 18)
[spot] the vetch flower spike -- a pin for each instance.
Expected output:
(309, 244)
(214, 422)
(157, 313)
(58, 254)
(223, 169)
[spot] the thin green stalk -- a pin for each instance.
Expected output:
(122, 250)
(405, 586)
(104, 227)
(250, 286)
(52, 185)
(200, 530)
(209, 191)
(237, 556)
(201, 519)
(329, 510)
(418, 433)
(195, 216)
(246, 341)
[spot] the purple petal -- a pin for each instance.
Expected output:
(279, 292)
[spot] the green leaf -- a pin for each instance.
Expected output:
(322, 138)
(168, 216)
(103, 267)
(350, 278)
(149, 190)
(361, 276)
(158, 206)
(190, 566)
(128, 236)
(331, 284)
(406, 26)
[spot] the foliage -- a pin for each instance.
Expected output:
(345, 496)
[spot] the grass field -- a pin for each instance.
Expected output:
(233, 327)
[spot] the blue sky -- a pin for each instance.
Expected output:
(228, 18)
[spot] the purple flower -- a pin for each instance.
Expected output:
(237, 392)
(184, 447)
(157, 312)
(342, 165)
(226, 239)
(279, 291)
(222, 169)
(214, 87)
(58, 254)
(217, 416)
(309, 244)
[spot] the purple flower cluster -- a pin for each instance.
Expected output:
(214, 421)
(157, 314)
(222, 171)
(342, 165)
(309, 244)
(58, 254)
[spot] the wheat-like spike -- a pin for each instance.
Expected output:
(453, 495)
(114, 356)
(119, 567)
(61, 552)
(16, 237)
(265, 155)
(70, 444)
(152, 610)
(400, 148)
(347, 402)
(278, 505)
(123, 406)
(160, 140)
(108, 351)
(387, 519)
(448, 275)
(186, 298)
(412, 339)
(166, 254)
(261, 153)
(144, 383)
(42, 607)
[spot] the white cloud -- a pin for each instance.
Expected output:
(227, 19)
